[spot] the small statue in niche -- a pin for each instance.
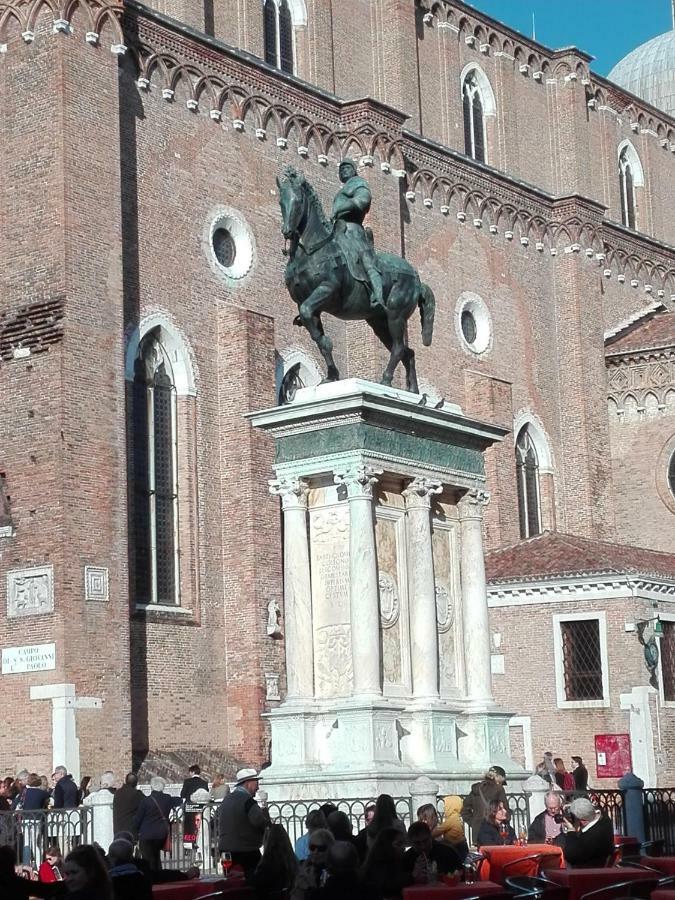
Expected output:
(274, 619)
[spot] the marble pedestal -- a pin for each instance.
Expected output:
(385, 610)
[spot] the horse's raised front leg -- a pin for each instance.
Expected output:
(310, 312)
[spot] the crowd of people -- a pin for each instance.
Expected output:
(328, 861)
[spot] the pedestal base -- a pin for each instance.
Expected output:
(361, 749)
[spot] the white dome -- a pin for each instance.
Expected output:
(649, 72)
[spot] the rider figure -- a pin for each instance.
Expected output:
(350, 206)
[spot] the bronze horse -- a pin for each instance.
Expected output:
(319, 280)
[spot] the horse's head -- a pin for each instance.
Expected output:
(291, 201)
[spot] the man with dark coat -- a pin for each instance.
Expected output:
(425, 854)
(128, 881)
(193, 783)
(589, 836)
(65, 789)
(547, 826)
(125, 805)
(242, 822)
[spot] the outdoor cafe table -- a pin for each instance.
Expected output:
(583, 881)
(452, 891)
(234, 888)
(497, 856)
(663, 894)
(665, 864)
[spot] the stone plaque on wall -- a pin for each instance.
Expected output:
(96, 584)
(32, 658)
(30, 592)
(392, 599)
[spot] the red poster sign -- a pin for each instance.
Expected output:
(612, 755)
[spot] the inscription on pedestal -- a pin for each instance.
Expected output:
(329, 549)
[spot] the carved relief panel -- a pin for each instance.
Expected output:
(30, 592)
(445, 546)
(329, 558)
(393, 581)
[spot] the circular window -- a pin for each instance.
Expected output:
(469, 329)
(230, 244)
(473, 323)
(224, 247)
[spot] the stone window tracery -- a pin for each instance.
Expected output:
(154, 477)
(162, 468)
(631, 177)
(278, 28)
(474, 118)
(527, 477)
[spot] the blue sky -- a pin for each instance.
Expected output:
(607, 29)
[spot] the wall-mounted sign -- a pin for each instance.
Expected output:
(612, 755)
(33, 658)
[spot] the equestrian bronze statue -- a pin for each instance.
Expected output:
(334, 268)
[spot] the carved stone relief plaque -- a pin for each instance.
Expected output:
(30, 592)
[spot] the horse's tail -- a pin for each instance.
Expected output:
(427, 305)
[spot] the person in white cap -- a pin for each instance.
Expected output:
(242, 822)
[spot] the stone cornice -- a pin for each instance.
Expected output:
(572, 588)
(496, 35)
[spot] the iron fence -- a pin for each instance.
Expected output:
(658, 806)
(194, 827)
(31, 832)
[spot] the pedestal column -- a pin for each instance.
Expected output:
(474, 598)
(422, 588)
(297, 589)
(363, 591)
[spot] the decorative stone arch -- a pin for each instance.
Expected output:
(176, 350)
(631, 185)
(538, 436)
(308, 373)
(474, 76)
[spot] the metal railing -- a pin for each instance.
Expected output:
(194, 827)
(658, 806)
(31, 832)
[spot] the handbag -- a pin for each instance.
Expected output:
(167, 840)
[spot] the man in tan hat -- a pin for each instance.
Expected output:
(242, 822)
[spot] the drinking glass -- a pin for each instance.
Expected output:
(226, 862)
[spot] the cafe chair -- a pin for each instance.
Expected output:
(667, 882)
(651, 848)
(631, 864)
(640, 889)
(538, 861)
(209, 896)
(536, 888)
(628, 850)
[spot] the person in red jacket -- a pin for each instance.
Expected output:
(51, 869)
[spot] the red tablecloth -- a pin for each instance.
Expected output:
(665, 864)
(496, 857)
(664, 894)
(583, 881)
(235, 889)
(451, 892)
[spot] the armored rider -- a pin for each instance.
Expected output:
(350, 207)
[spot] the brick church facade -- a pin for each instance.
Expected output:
(143, 314)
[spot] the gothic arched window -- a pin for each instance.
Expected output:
(278, 26)
(627, 187)
(527, 475)
(474, 118)
(154, 522)
(631, 180)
